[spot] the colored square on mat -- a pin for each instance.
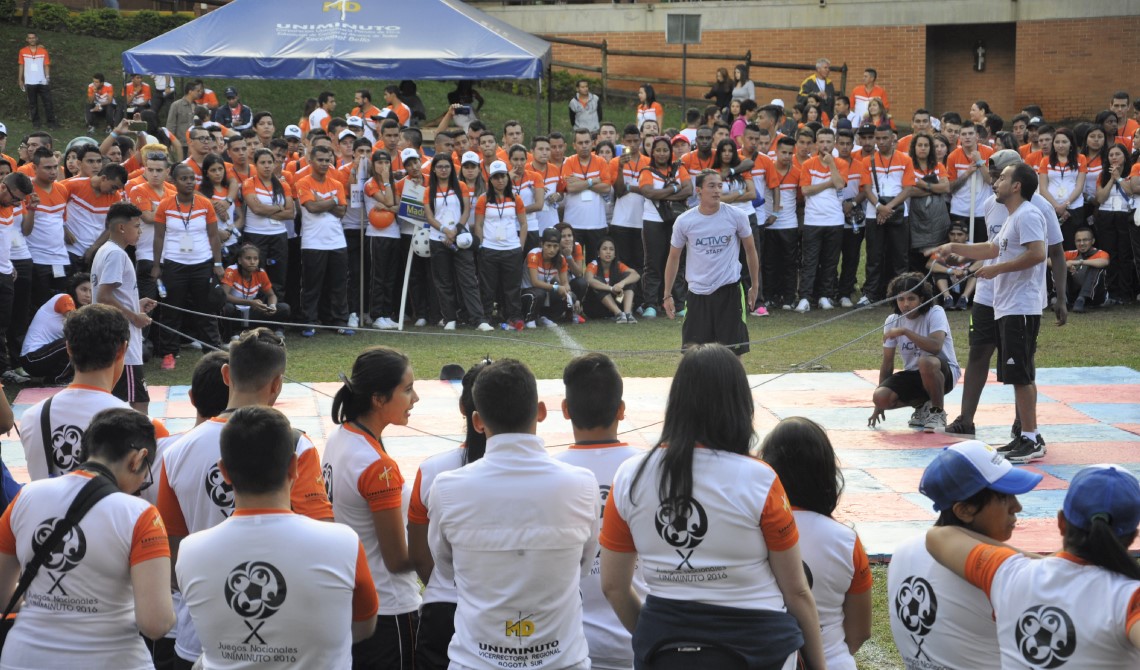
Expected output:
(1078, 376)
(1099, 393)
(859, 481)
(1110, 412)
(881, 507)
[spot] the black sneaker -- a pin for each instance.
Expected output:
(1015, 429)
(1023, 450)
(960, 427)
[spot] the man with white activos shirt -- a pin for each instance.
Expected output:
(983, 330)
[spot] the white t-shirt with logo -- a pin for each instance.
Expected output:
(995, 215)
(79, 611)
(1022, 292)
(933, 321)
(112, 267)
(272, 589)
(938, 621)
(71, 412)
(611, 646)
(47, 323)
(712, 244)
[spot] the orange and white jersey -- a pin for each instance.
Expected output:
(103, 95)
(448, 208)
(1092, 176)
(552, 179)
(654, 178)
(545, 271)
(1045, 612)
(79, 611)
(530, 613)
(528, 188)
(13, 217)
(938, 620)
(629, 209)
(762, 166)
(362, 479)
(9, 225)
(261, 225)
(46, 239)
(856, 172)
(272, 589)
(70, 414)
(438, 589)
(501, 221)
(956, 164)
(193, 496)
(837, 565)
(371, 189)
(403, 113)
(585, 210)
(823, 208)
(789, 187)
(610, 643)
(187, 239)
(321, 231)
(1063, 177)
(36, 64)
(87, 212)
(713, 548)
(319, 118)
(146, 198)
(891, 176)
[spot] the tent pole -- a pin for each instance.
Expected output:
(549, 98)
(538, 107)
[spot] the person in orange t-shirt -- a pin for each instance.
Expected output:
(100, 102)
(34, 78)
(403, 112)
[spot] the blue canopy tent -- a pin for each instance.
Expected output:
(344, 39)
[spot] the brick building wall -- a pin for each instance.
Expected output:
(1069, 67)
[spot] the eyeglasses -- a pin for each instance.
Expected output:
(201, 138)
(155, 156)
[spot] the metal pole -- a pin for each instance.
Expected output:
(605, 75)
(684, 79)
(549, 100)
(538, 106)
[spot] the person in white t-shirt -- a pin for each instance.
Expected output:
(97, 339)
(437, 614)
(920, 332)
(1018, 296)
(109, 577)
(114, 283)
(516, 566)
(268, 588)
(937, 620)
(838, 571)
(44, 351)
(595, 409)
(1078, 608)
(711, 235)
(713, 530)
(369, 494)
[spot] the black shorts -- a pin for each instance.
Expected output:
(1016, 348)
(983, 327)
(907, 385)
(132, 385)
(717, 317)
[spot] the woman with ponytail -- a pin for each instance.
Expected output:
(1079, 607)
(437, 616)
(367, 491)
(269, 202)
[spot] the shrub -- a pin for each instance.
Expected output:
(107, 23)
(7, 10)
(49, 16)
(144, 25)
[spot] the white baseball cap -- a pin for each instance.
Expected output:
(3, 129)
(354, 121)
(498, 167)
(345, 133)
(292, 131)
(779, 102)
(408, 154)
(470, 157)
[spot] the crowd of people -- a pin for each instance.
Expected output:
(236, 544)
(491, 230)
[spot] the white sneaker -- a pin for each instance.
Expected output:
(421, 322)
(353, 320)
(195, 344)
(824, 303)
(803, 306)
(863, 302)
(935, 421)
(545, 322)
(531, 324)
(921, 414)
(450, 325)
(846, 302)
(484, 327)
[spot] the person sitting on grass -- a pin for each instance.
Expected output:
(1086, 267)
(44, 353)
(575, 257)
(609, 280)
(947, 278)
(249, 293)
(930, 369)
(546, 284)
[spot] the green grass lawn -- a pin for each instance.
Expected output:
(647, 349)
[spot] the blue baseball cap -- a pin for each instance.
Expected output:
(964, 469)
(1104, 490)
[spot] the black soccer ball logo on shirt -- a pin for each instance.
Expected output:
(916, 605)
(327, 473)
(255, 590)
(71, 550)
(604, 494)
(66, 445)
(1046, 636)
(681, 523)
(221, 493)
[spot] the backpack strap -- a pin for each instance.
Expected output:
(45, 433)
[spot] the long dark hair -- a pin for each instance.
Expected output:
(207, 187)
(1100, 546)
(476, 441)
(452, 181)
(719, 164)
(1073, 152)
(376, 371)
(616, 262)
(1104, 147)
(278, 190)
(650, 95)
(377, 155)
(743, 69)
(709, 404)
(1125, 168)
(508, 191)
(931, 157)
(802, 456)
